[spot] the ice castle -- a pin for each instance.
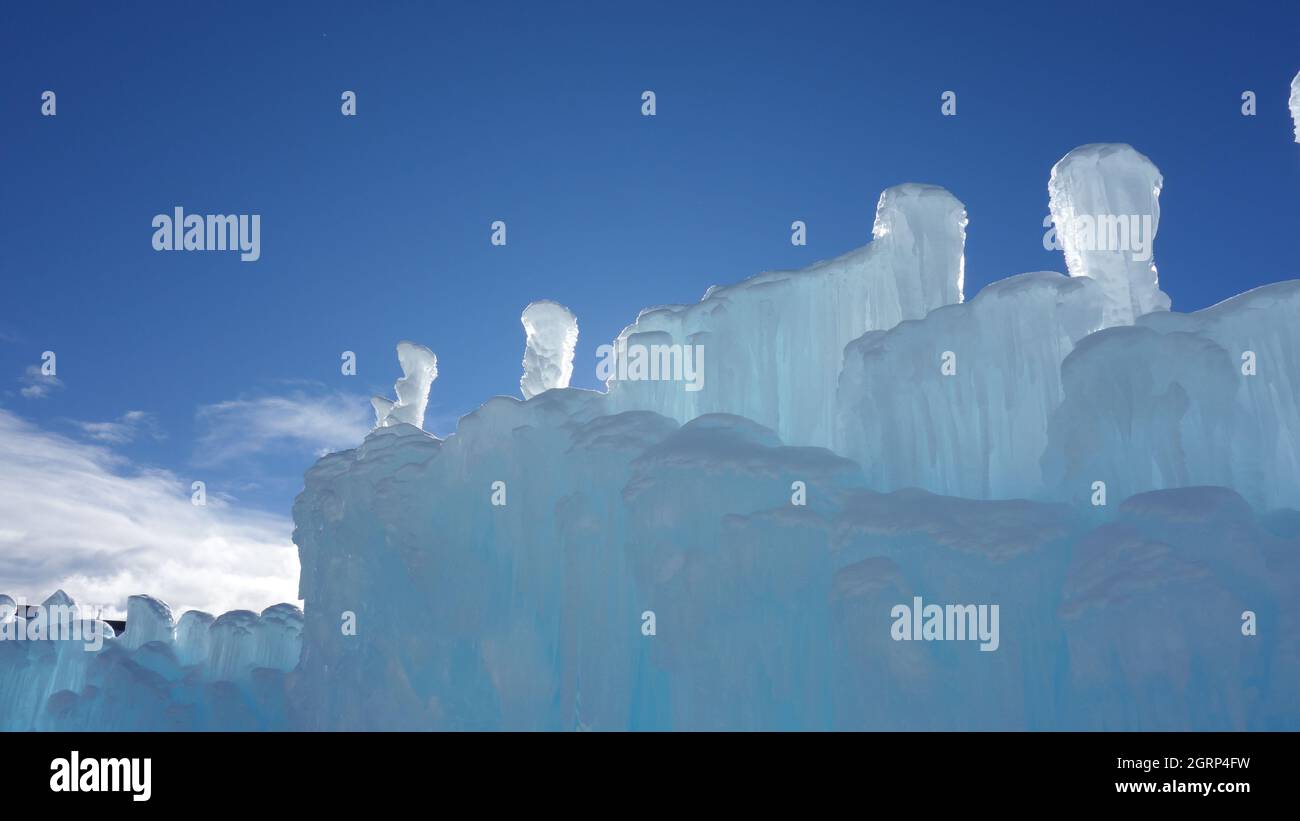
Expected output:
(1121, 481)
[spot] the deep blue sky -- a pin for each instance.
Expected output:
(375, 228)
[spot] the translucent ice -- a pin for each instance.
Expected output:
(193, 644)
(1208, 398)
(43, 650)
(551, 334)
(958, 402)
(58, 599)
(233, 638)
(1105, 204)
(772, 345)
(1294, 104)
(279, 637)
(222, 675)
(419, 370)
(150, 620)
(662, 558)
(664, 577)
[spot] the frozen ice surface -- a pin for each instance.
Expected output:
(42, 652)
(958, 402)
(223, 674)
(551, 334)
(150, 620)
(1207, 398)
(279, 637)
(419, 370)
(772, 344)
(233, 638)
(768, 614)
(729, 558)
(58, 599)
(1105, 204)
(193, 644)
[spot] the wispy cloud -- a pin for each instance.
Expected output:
(125, 428)
(37, 385)
(301, 421)
(78, 516)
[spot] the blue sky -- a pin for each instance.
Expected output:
(375, 228)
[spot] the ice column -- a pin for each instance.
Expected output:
(1295, 105)
(551, 332)
(193, 643)
(147, 619)
(419, 369)
(1105, 203)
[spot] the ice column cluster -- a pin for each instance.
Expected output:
(862, 439)
(658, 576)
(199, 673)
(958, 402)
(1208, 398)
(772, 345)
(551, 334)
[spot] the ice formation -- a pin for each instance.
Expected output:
(730, 557)
(958, 402)
(768, 615)
(419, 370)
(1105, 204)
(150, 619)
(225, 674)
(773, 343)
(1294, 104)
(1208, 398)
(551, 334)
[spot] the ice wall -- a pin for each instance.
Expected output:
(1153, 609)
(419, 370)
(533, 606)
(773, 344)
(958, 402)
(42, 654)
(667, 559)
(198, 676)
(1105, 204)
(1208, 398)
(551, 334)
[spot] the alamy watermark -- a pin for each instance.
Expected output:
(77, 774)
(52, 622)
(622, 362)
(179, 231)
(1133, 233)
(953, 622)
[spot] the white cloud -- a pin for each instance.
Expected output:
(125, 429)
(300, 421)
(37, 385)
(79, 517)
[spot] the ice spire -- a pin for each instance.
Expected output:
(148, 619)
(551, 332)
(1105, 203)
(419, 369)
(1295, 104)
